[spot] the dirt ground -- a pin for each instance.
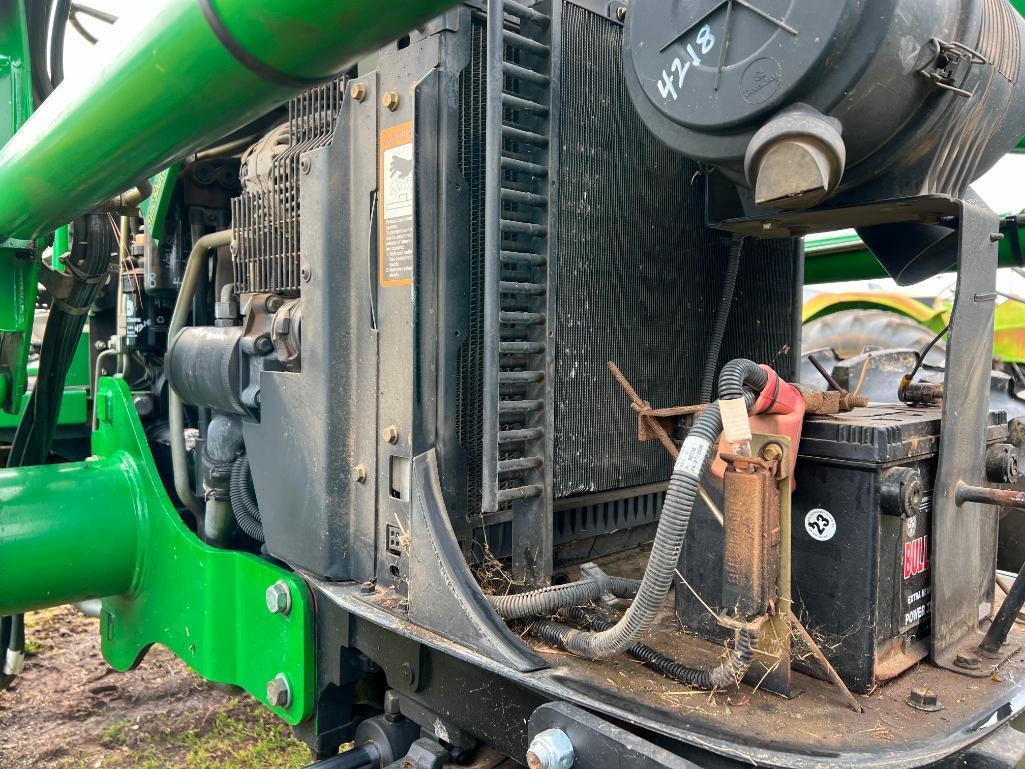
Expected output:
(70, 710)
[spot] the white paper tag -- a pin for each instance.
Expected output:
(736, 427)
(692, 456)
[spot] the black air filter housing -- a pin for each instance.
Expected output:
(802, 100)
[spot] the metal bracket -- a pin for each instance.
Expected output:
(443, 595)
(208, 606)
(597, 744)
(958, 565)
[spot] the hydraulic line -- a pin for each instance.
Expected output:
(89, 263)
(722, 316)
(739, 376)
(548, 600)
(243, 504)
(729, 672)
(176, 408)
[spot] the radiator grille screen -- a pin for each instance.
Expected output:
(639, 275)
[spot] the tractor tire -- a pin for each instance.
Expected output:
(850, 332)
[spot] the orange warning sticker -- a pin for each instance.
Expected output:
(396, 235)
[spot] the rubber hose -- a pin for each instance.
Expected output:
(729, 672)
(740, 377)
(243, 504)
(176, 408)
(549, 600)
(690, 466)
(722, 316)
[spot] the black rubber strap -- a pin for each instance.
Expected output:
(775, 398)
(245, 58)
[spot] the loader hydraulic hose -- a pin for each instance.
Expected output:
(173, 77)
(550, 599)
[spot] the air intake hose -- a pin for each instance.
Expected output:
(741, 376)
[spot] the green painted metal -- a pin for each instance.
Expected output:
(105, 527)
(61, 246)
(166, 87)
(832, 258)
(156, 206)
(17, 274)
(74, 409)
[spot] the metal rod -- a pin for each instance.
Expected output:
(985, 496)
(1005, 619)
(827, 668)
(825, 374)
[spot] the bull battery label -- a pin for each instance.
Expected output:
(914, 569)
(397, 188)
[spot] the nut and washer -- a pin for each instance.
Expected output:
(391, 101)
(968, 661)
(279, 598)
(279, 693)
(551, 749)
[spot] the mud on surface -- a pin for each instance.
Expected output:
(70, 710)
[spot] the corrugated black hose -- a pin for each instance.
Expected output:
(90, 261)
(243, 503)
(728, 673)
(694, 458)
(722, 316)
(549, 600)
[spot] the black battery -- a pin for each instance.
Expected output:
(861, 520)
(860, 534)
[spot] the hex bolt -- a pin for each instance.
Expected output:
(279, 693)
(359, 473)
(304, 164)
(367, 588)
(924, 699)
(279, 598)
(551, 749)
(773, 452)
(263, 345)
(621, 12)
(391, 101)
(968, 661)
(359, 91)
(143, 405)
(391, 434)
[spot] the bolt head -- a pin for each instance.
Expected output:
(408, 674)
(359, 473)
(304, 164)
(143, 405)
(367, 588)
(551, 749)
(279, 598)
(359, 91)
(279, 694)
(968, 661)
(391, 101)
(305, 273)
(772, 452)
(621, 12)
(391, 434)
(924, 699)
(263, 345)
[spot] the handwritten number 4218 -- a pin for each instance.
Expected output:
(674, 76)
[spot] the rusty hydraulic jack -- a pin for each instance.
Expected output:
(756, 559)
